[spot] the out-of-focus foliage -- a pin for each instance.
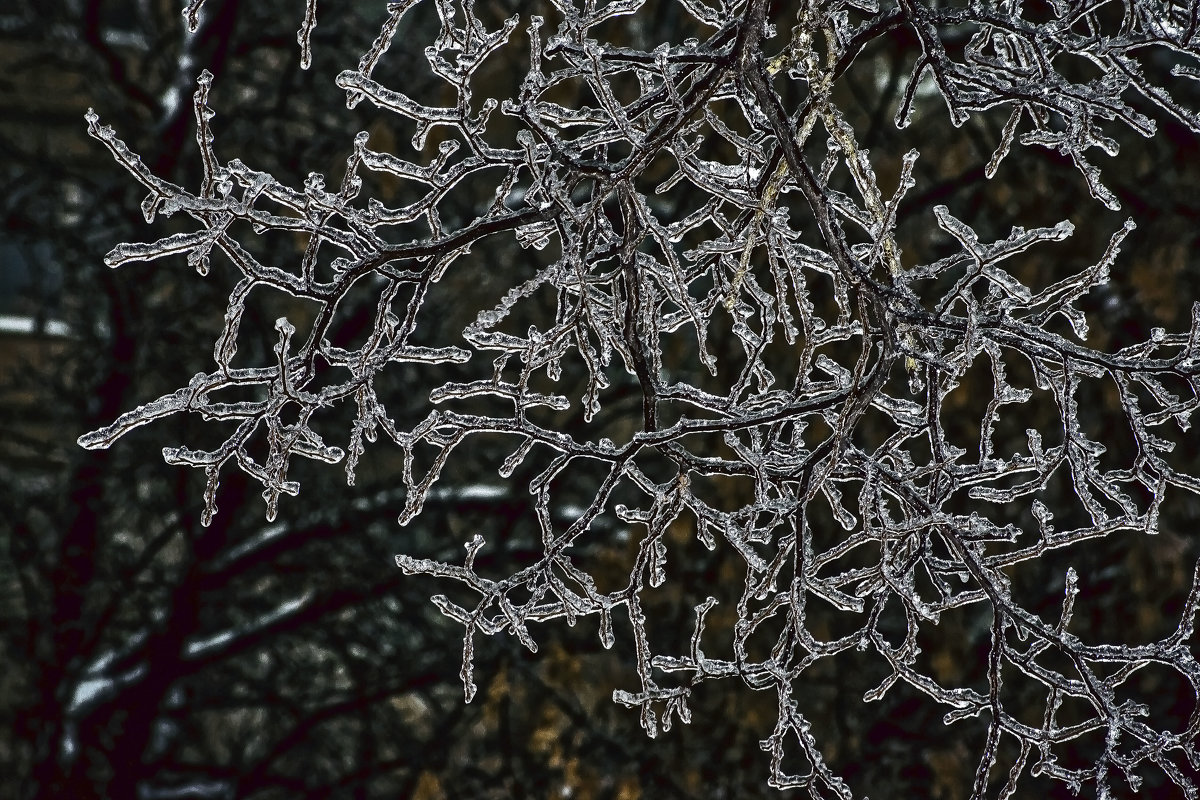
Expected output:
(707, 328)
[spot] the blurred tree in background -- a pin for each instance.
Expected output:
(148, 655)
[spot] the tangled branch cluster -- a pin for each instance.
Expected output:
(730, 258)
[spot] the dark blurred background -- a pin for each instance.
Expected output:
(144, 656)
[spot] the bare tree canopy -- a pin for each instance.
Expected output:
(688, 295)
